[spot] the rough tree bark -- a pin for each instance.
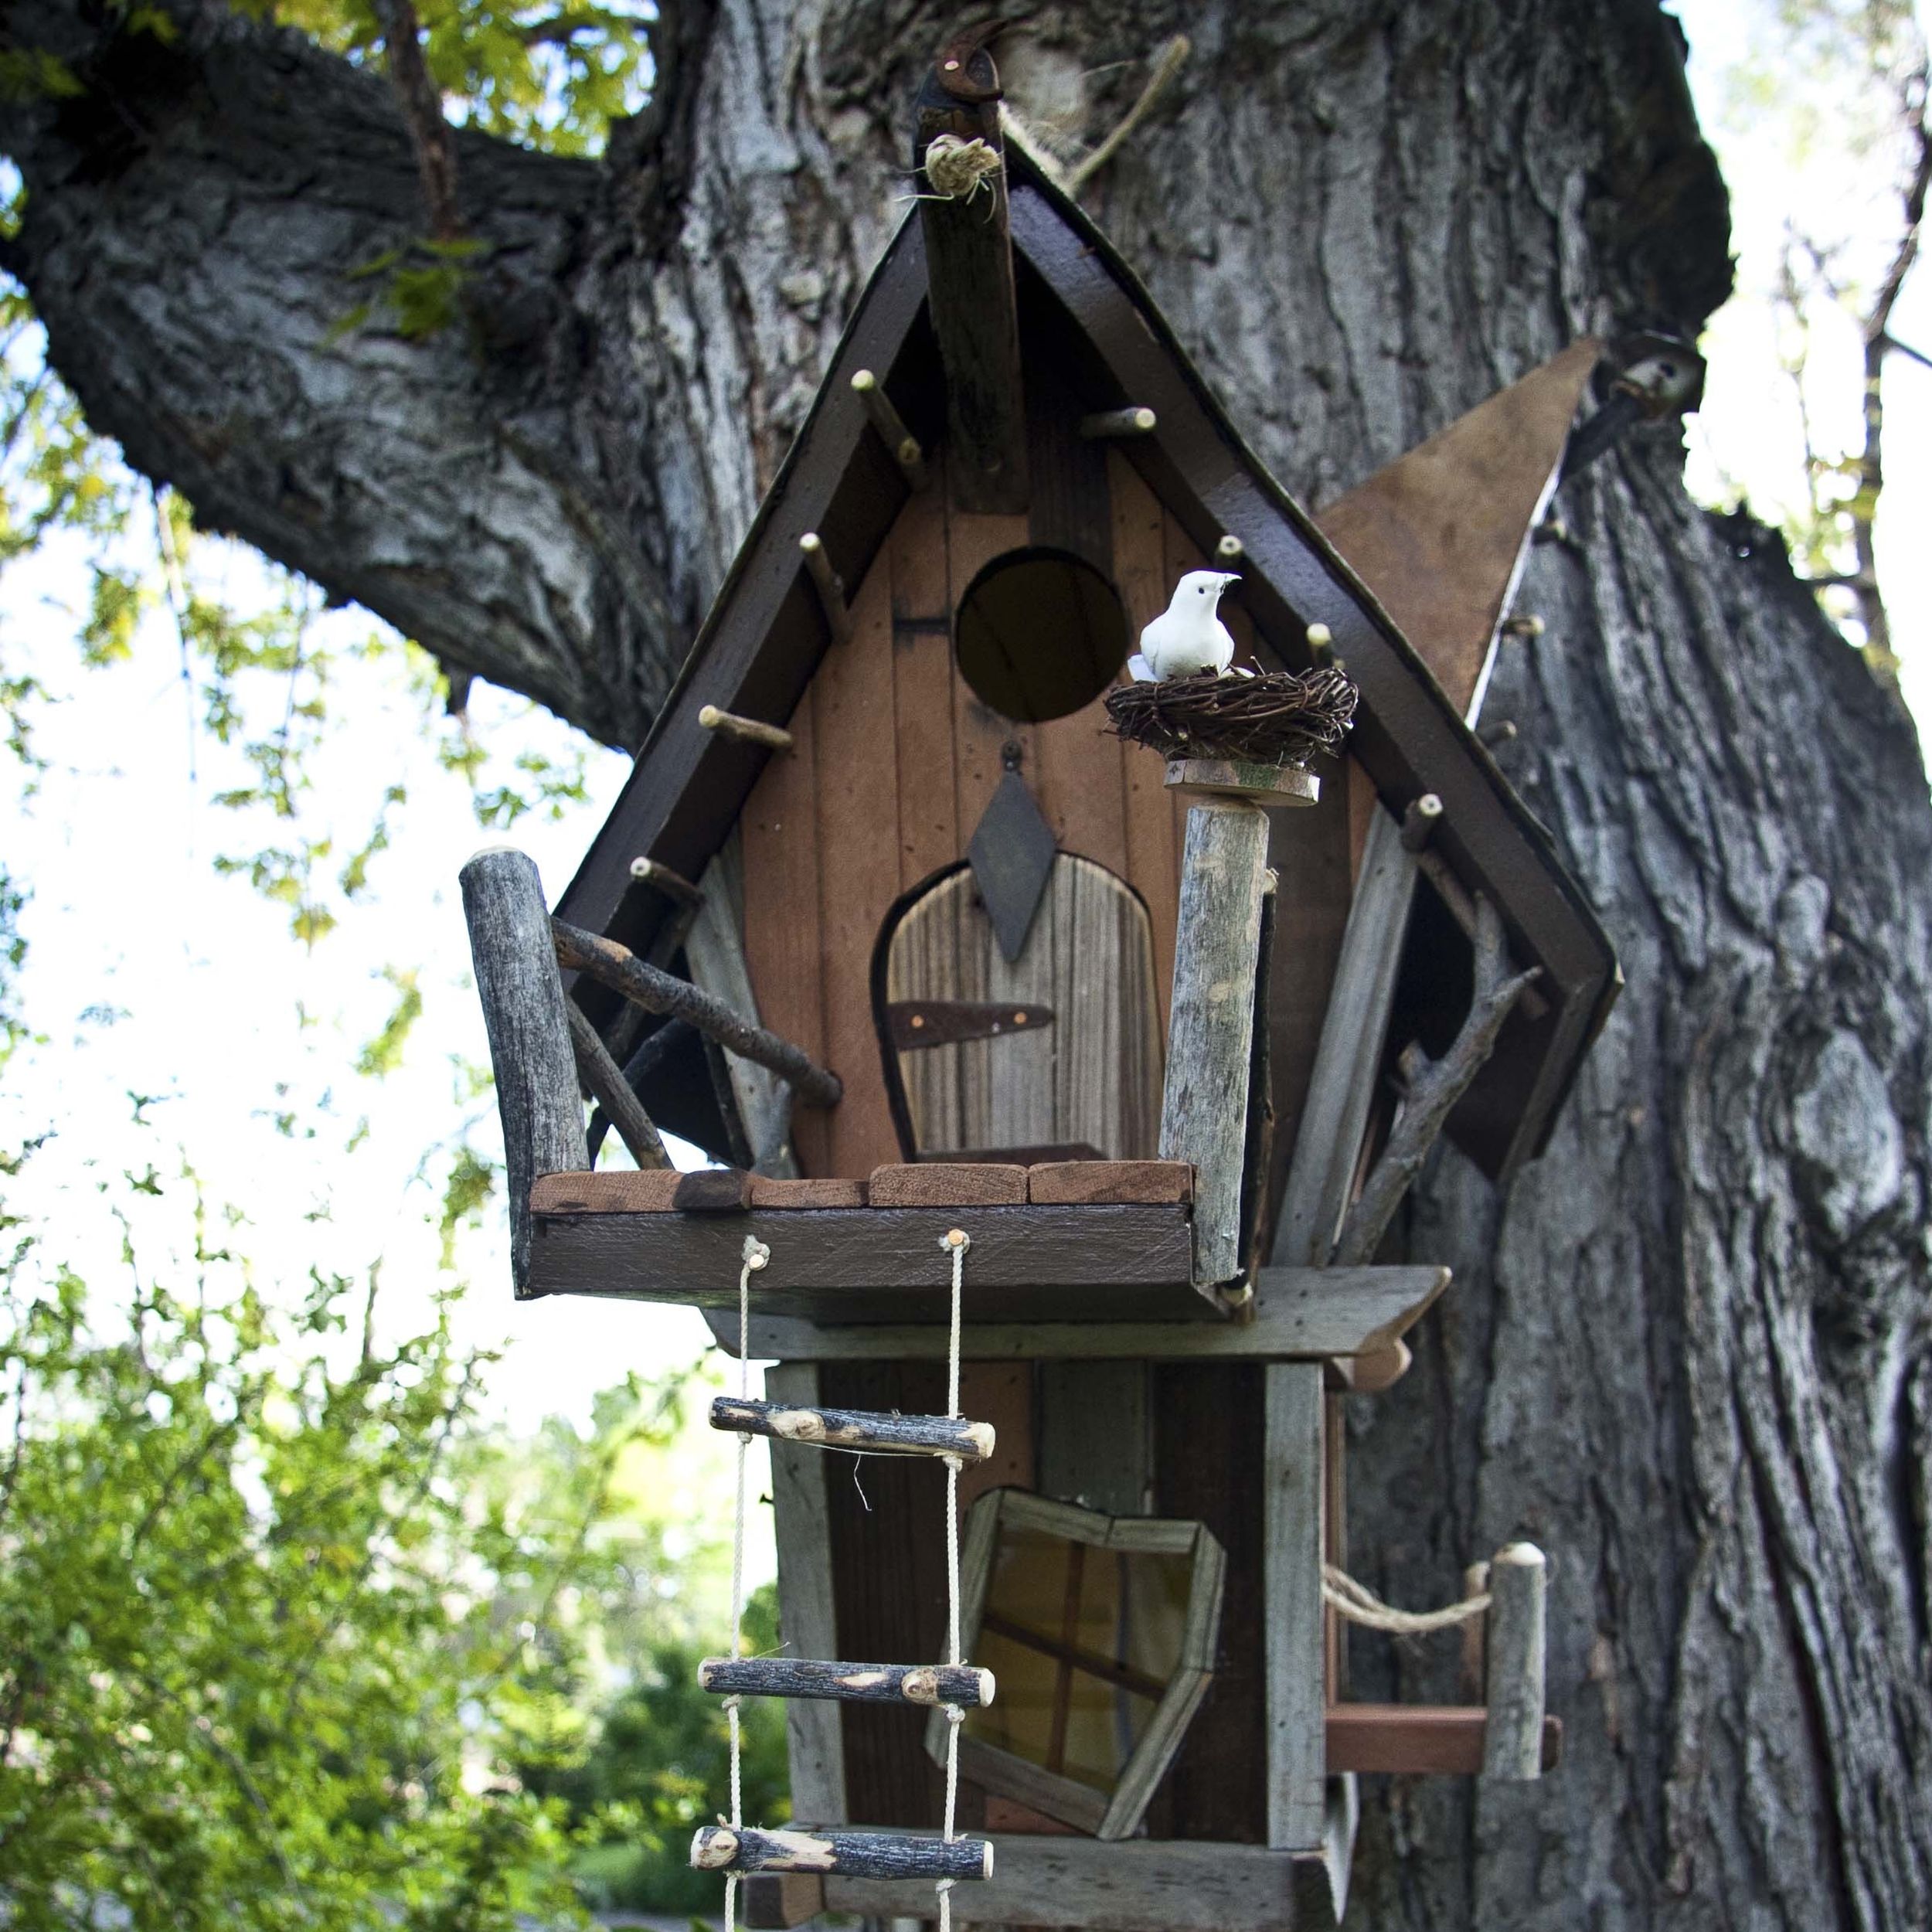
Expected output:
(1687, 1352)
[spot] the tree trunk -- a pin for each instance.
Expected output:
(1686, 1351)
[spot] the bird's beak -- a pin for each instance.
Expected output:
(1230, 577)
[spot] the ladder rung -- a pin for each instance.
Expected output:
(857, 1855)
(961, 1684)
(857, 1429)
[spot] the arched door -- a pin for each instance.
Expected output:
(1054, 1054)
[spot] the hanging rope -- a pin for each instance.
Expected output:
(1359, 1604)
(956, 1241)
(755, 1255)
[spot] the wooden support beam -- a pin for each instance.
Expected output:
(864, 1855)
(1293, 1546)
(1512, 1747)
(744, 731)
(801, 1512)
(1298, 1314)
(827, 582)
(1210, 1036)
(891, 427)
(930, 1684)
(526, 1015)
(969, 274)
(1422, 1739)
(604, 1080)
(1104, 424)
(880, 1435)
(619, 968)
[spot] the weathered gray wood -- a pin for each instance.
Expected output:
(1435, 1087)
(857, 1429)
(1513, 1743)
(1204, 1104)
(1092, 1075)
(525, 1015)
(1298, 1315)
(1093, 1444)
(776, 1901)
(605, 1079)
(619, 968)
(1138, 1885)
(1259, 785)
(715, 948)
(1335, 1114)
(871, 1855)
(930, 1684)
(807, 1617)
(1109, 1263)
(1296, 1650)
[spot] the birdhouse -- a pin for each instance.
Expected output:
(1063, 1090)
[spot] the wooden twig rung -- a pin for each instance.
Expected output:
(928, 1684)
(856, 1428)
(830, 587)
(852, 1855)
(1104, 423)
(891, 427)
(673, 885)
(747, 731)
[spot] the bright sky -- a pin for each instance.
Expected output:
(149, 974)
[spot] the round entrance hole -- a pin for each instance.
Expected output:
(1040, 633)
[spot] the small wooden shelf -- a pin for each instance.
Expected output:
(1029, 1262)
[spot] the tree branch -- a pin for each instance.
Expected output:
(421, 101)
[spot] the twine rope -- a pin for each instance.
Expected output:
(1359, 1604)
(755, 1255)
(957, 1240)
(958, 169)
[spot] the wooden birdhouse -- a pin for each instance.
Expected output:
(891, 922)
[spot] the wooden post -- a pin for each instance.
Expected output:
(801, 1515)
(1513, 1742)
(969, 272)
(1292, 1546)
(1210, 1038)
(529, 1031)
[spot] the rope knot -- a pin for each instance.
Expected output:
(959, 170)
(734, 1703)
(756, 1255)
(954, 1715)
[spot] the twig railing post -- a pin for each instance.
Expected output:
(524, 1013)
(1513, 1738)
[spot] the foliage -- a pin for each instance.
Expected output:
(287, 1636)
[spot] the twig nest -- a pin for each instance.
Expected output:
(1276, 718)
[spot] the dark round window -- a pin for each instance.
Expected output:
(1040, 633)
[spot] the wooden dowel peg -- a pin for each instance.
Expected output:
(1105, 424)
(1420, 821)
(852, 1855)
(525, 1015)
(829, 585)
(1230, 549)
(1320, 645)
(673, 885)
(891, 427)
(1503, 732)
(1512, 1747)
(619, 968)
(746, 731)
(926, 1684)
(1526, 628)
(856, 1428)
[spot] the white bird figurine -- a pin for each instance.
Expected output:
(1188, 636)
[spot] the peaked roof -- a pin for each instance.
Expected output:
(765, 634)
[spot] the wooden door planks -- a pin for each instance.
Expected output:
(928, 834)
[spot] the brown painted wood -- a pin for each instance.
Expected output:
(782, 1195)
(783, 952)
(946, 1184)
(1066, 1182)
(1074, 1264)
(858, 798)
(1002, 1393)
(972, 542)
(610, 1190)
(922, 677)
(714, 1190)
(886, 1529)
(1418, 1739)
(1207, 1461)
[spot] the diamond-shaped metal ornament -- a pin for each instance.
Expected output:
(1012, 856)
